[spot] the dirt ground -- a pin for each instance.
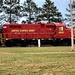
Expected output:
(41, 53)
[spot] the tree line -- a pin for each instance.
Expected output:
(12, 11)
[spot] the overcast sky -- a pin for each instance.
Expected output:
(60, 4)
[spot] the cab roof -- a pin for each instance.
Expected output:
(60, 24)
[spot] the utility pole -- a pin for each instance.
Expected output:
(72, 37)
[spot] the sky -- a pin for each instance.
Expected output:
(60, 4)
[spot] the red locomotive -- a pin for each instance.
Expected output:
(25, 34)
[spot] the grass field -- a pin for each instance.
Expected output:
(18, 61)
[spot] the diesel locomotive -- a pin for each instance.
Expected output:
(26, 34)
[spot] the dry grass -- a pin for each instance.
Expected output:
(18, 63)
(35, 49)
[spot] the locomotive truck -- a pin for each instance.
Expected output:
(26, 34)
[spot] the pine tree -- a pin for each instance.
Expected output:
(1, 2)
(50, 12)
(12, 9)
(31, 11)
(68, 18)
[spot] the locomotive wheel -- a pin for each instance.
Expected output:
(8, 43)
(67, 42)
(0, 43)
(23, 44)
(56, 42)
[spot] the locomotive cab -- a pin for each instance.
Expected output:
(60, 30)
(62, 36)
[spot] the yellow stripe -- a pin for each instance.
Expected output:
(42, 39)
(7, 39)
(61, 39)
(33, 39)
(49, 39)
(22, 39)
(61, 32)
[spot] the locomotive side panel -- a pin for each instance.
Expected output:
(46, 31)
(28, 31)
(20, 31)
(14, 33)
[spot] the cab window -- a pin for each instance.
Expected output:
(61, 28)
